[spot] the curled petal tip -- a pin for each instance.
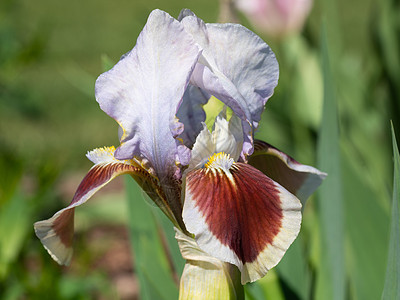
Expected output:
(56, 235)
(301, 180)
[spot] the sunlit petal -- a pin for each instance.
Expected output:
(143, 90)
(226, 137)
(202, 148)
(242, 77)
(241, 216)
(56, 233)
(300, 180)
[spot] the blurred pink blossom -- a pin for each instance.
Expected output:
(276, 18)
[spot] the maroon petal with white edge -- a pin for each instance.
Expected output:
(300, 180)
(56, 233)
(241, 216)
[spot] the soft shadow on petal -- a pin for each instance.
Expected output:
(203, 148)
(205, 277)
(226, 137)
(241, 216)
(243, 77)
(56, 233)
(300, 180)
(143, 90)
(191, 114)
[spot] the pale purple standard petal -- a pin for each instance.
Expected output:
(191, 114)
(143, 90)
(237, 67)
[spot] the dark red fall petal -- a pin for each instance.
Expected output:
(56, 233)
(238, 215)
(300, 180)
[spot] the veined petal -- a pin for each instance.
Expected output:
(56, 233)
(226, 137)
(204, 276)
(203, 148)
(300, 180)
(243, 77)
(241, 216)
(143, 90)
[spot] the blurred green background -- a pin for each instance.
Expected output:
(339, 88)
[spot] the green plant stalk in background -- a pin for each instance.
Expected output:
(392, 280)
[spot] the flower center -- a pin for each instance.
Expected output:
(220, 160)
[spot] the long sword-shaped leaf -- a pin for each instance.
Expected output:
(331, 283)
(366, 233)
(151, 264)
(293, 270)
(392, 281)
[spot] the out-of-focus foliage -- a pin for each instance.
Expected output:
(330, 277)
(392, 279)
(50, 55)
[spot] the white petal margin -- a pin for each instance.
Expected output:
(205, 277)
(200, 224)
(56, 233)
(142, 92)
(301, 180)
(274, 252)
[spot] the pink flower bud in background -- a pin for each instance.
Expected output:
(277, 18)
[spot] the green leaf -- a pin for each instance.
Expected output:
(293, 270)
(392, 281)
(110, 208)
(331, 280)
(15, 218)
(107, 62)
(151, 264)
(79, 78)
(366, 224)
(271, 286)
(267, 287)
(167, 231)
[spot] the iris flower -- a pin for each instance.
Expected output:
(235, 201)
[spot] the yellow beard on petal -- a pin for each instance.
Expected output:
(220, 160)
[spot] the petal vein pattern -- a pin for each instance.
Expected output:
(301, 180)
(56, 233)
(241, 217)
(143, 90)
